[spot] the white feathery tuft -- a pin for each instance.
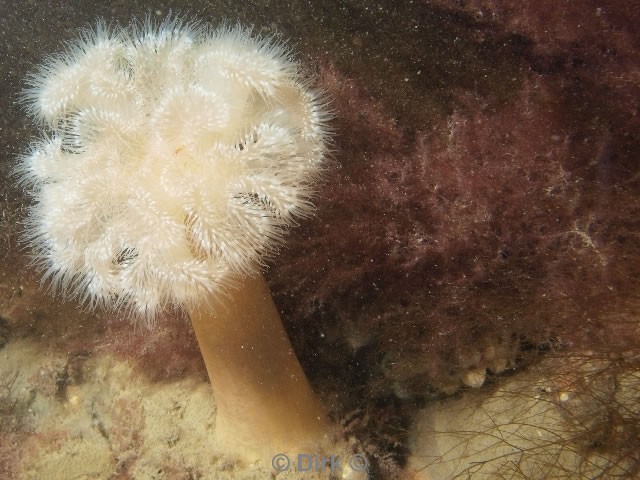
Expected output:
(172, 156)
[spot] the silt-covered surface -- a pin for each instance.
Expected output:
(483, 208)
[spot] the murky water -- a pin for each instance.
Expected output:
(463, 299)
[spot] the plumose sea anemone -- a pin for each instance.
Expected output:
(172, 159)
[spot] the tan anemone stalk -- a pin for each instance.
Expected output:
(172, 159)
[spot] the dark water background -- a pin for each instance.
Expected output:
(486, 194)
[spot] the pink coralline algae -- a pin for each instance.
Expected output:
(484, 209)
(509, 221)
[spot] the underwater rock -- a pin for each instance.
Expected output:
(487, 200)
(527, 428)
